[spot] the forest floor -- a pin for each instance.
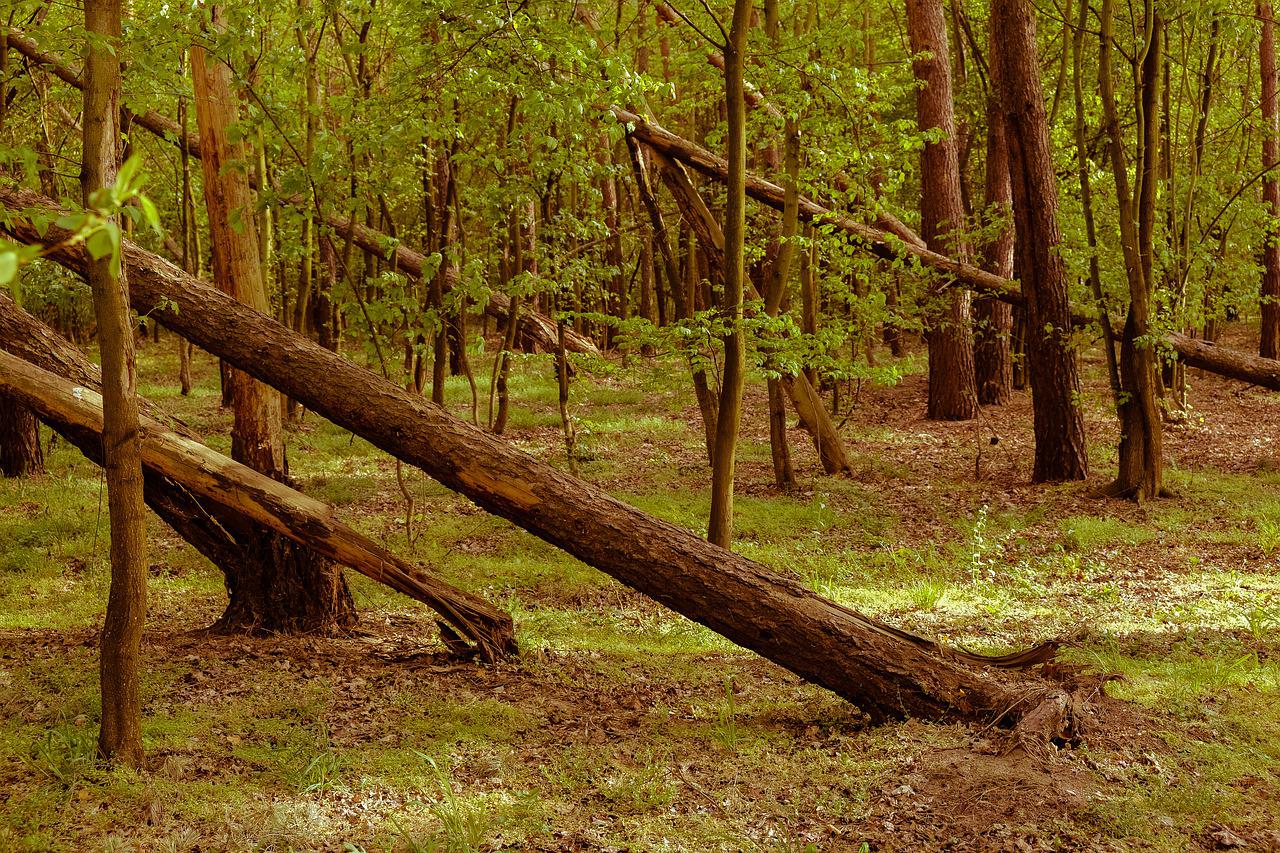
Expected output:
(626, 727)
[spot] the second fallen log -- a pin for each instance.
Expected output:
(255, 496)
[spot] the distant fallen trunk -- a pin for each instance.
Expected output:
(886, 671)
(538, 327)
(1197, 353)
(1230, 363)
(71, 407)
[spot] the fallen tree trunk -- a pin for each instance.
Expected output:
(886, 671)
(1225, 362)
(208, 529)
(182, 460)
(538, 327)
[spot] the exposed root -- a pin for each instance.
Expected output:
(1059, 717)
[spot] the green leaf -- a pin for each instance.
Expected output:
(127, 171)
(150, 212)
(99, 244)
(8, 266)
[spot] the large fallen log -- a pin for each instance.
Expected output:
(208, 528)
(1227, 362)
(886, 671)
(538, 327)
(1197, 353)
(68, 406)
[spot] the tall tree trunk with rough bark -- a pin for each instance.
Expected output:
(1269, 346)
(993, 318)
(289, 589)
(120, 738)
(952, 394)
(1061, 452)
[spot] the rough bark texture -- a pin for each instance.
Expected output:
(227, 483)
(887, 672)
(20, 451)
(1061, 452)
(1269, 346)
(993, 319)
(120, 738)
(948, 328)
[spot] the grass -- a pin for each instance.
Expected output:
(625, 725)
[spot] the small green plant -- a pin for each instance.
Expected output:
(927, 594)
(321, 770)
(726, 730)
(463, 828)
(1269, 535)
(65, 753)
(1263, 622)
(981, 561)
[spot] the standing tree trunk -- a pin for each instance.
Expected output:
(289, 589)
(1141, 441)
(20, 453)
(952, 395)
(1051, 362)
(993, 328)
(720, 524)
(120, 738)
(1269, 346)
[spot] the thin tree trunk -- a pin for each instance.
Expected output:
(1141, 455)
(1084, 167)
(120, 738)
(720, 523)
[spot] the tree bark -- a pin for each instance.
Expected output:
(733, 371)
(1061, 452)
(294, 590)
(1269, 345)
(887, 672)
(993, 319)
(20, 451)
(948, 329)
(227, 483)
(120, 738)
